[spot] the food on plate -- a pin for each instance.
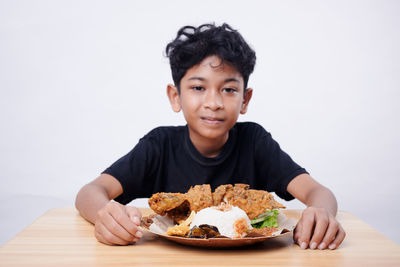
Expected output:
(204, 231)
(253, 202)
(200, 197)
(268, 219)
(228, 220)
(178, 206)
(181, 229)
(265, 224)
(230, 212)
(175, 205)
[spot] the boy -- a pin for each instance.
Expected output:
(210, 68)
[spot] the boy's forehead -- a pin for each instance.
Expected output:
(213, 65)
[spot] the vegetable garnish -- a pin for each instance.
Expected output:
(268, 219)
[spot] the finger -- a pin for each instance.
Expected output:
(297, 232)
(111, 237)
(306, 230)
(116, 229)
(330, 234)
(122, 217)
(134, 214)
(101, 239)
(338, 240)
(321, 225)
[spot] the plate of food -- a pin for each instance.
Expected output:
(231, 216)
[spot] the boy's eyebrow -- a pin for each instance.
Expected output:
(203, 79)
(196, 78)
(232, 80)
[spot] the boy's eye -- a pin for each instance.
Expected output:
(197, 88)
(230, 90)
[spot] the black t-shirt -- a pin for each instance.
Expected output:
(165, 160)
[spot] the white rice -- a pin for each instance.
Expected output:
(223, 220)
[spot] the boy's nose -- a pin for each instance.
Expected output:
(213, 100)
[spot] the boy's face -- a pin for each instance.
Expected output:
(211, 98)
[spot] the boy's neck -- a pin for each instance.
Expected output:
(209, 148)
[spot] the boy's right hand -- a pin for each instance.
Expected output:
(117, 224)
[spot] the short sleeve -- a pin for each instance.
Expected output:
(276, 167)
(135, 171)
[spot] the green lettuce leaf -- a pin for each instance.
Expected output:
(268, 219)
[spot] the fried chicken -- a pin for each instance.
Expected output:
(175, 205)
(219, 193)
(179, 206)
(200, 197)
(253, 202)
(162, 203)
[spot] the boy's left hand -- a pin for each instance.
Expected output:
(317, 228)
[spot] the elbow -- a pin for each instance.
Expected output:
(78, 198)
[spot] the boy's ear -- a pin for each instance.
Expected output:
(246, 99)
(174, 97)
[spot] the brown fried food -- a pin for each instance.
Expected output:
(253, 202)
(183, 228)
(161, 203)
(178, 206)
(180, 213)
(200, 197)
(178, 230)
(146, 221)
(219, 193)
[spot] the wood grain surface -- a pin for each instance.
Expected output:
(62, 237)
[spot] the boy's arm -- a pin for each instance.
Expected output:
(317, 227)
(114, 223)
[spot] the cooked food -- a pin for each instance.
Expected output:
(179, 206)
(175, 205)
(253, 202)
(161, 203)
(230, 211)
(204, 231)
(227, 220)
(200, 197)
(181, 229)
(220, 192)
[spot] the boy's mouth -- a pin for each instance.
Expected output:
(211, 120)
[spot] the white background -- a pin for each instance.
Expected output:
(82, 81)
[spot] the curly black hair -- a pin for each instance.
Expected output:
(192, 45)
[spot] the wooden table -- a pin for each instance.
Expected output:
(62, 237)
